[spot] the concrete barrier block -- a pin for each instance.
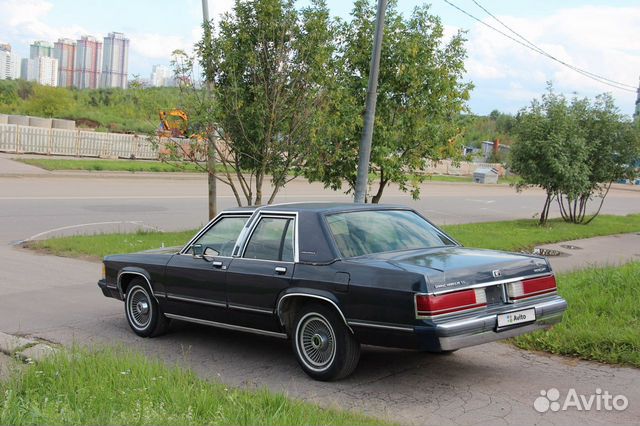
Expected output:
(44, 123)
(20, 120)
(58, 123)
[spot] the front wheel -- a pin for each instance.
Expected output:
(142, 310)
(324, 346)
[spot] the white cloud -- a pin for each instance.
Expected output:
(25, 20)
(600, 39)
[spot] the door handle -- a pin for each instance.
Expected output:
(216, 264)
(281, 270)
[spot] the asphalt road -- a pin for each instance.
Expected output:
(57, 299)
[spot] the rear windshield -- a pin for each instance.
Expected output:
(375, 231)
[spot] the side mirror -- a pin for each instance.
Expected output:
(197, 250)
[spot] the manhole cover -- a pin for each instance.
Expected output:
(570, 247)
(546, 252)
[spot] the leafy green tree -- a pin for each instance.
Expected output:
(573, 150)
(49, 101)
(420, 93)
(269, 74)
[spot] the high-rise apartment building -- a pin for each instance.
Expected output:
(115, 62)
(162, 76)
(28, 69)
(40, 48)
(43, 70)
(64, 50)
(9, 63)
(88, 63)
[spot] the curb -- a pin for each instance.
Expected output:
(28, 350)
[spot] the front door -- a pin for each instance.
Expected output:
(262, 272)
(196, 279)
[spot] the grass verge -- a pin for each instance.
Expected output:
(517, 235)
(508, 235)
(157, 166)
(114, 387)
(108, 165)
(100, 245)
(603, 319)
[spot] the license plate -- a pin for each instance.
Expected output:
(517, 317)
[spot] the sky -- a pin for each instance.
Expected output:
(602, 37)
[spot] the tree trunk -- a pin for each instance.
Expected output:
(600, 206)
(383, 183)
(545, 209)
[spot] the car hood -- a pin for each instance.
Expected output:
(449, 268)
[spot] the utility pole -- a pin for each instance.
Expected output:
(370, 109)
(210, 132)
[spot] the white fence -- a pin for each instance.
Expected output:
(35, 140)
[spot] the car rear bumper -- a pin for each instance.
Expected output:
(456, 334)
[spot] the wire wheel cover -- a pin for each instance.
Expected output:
(139, 307)
(316, 341)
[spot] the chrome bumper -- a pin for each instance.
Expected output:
(461, 333)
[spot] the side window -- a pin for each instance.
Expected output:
(222, 236)
(272, 239)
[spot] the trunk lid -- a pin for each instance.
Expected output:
(455, 268)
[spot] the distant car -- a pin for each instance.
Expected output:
(331, 277)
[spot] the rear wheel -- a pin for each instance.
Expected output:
(142, 310)
(324, 346)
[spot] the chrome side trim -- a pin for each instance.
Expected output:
(194, 300)
(251, 309)
(315, 296)
(227, 326)
(119, 284)
(382, 326)
(490, 283)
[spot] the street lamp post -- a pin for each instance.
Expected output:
(370, 109)
(211, 149)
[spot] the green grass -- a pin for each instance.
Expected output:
(524, 234)
(113, 387)
(603, 319)
(100, 245)
(505, 180)
(108, 165)
(513, 235)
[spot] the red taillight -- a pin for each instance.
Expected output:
(533, 287)
(432, 305)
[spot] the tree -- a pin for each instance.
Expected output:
(573, 150)
(49, 101)
(267, 65)
(420, 92)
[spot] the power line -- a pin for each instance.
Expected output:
(533, 47)
(573, 67)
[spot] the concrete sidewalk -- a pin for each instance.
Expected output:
(598, 251)
(8, 167)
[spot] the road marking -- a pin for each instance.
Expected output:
(151, 197)
(63, 228)
(480, 201)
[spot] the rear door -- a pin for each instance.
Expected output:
(263, 270)
(196, 284)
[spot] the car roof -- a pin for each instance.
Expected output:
(319, 207)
